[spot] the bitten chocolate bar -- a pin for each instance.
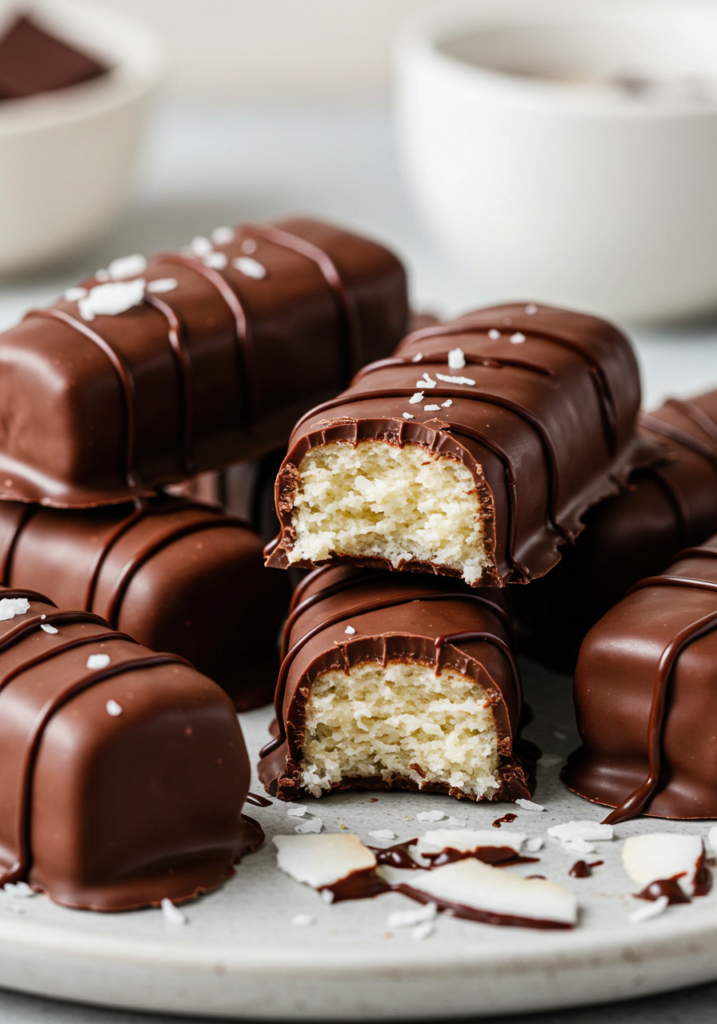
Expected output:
(148, 374)
(664, 509)
(645, 697)
(174, 574)
(474, 452)
(397, 682)
(122, 772)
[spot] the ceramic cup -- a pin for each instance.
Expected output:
(66, 157)
(567, 151)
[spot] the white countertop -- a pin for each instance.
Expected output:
(211, 164)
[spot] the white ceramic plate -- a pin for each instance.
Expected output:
(240, 955)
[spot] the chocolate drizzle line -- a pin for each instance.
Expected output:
(248, 387)
(658, 426)
(606, 398)
(696, 414)
(51, 707)
(341, 294)
(636, 801)
(28, 511)
(184, 368)
(482, 396)
(374, 606)
(441, 358)
(296, 610)
(669, 887)
(124, 375)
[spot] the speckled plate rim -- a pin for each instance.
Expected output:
(545, 970)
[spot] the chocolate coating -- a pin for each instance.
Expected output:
(547, 430)
(431, 621)
(645, 698)
(210, 372)
(664, 509)
(34, 60)
(175, 575)
(109, 809)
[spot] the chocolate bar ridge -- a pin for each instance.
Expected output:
(546, 429)
(210, 368)
(644, 697)
(107, 805)
(431, 621)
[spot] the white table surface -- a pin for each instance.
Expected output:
(207, 164)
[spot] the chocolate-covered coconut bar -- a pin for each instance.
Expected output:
(397, 682)
(174, 574)
(474, 452)
(148, 374)
(636, 534)
(122, 772)
(645, 697)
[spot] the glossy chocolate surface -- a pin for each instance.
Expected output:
(432, 621)
(664, 509)
(34, 60)
(174, 574)
(645, 697)
(119, 785)
(213, 371)
(547, 431)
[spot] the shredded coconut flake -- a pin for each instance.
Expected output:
(127, 266)
(417, 358)
(422, 931)
(529, 805)
(222, 236)
(350, 630)
(113, 708)
(425, 382)
(382, 833)
(162, 285)
(652, 908)
(12, 606)
(98, 661)
(47, 628)
(589, 830)
(493, 334)
(112, 298)
(408, 416)
(430, 816)
(216, 260)
(431, 408)
(456, 359)
(517, 338)
(327, 896)
(297, 812)
(19, 890)
(578, 846)
(172, 915)
(447, 404)
(250, 268)
(200, 246)
(411, 918)
(533, 845)
(75, 294)
(302, 920)
(415, 399)
(454, 380)
(531, 308)
(312, 825)
(248, 245)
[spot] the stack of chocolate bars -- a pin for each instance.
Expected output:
(125, 771)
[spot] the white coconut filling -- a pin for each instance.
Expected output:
(378, 499)
(377, 722)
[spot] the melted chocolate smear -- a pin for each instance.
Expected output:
(397, 856)
(507, 818)
(582, 870)
(703, 876)
(484, 916)
(664, 887)
(258, 801)
(359, 885)
(499, 856)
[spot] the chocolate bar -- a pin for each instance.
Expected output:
(664, 509)
(474, 452)
(174, 574)
(149, 374)
(644, 697)
(123, 772)
(397, 682)
(34, 60)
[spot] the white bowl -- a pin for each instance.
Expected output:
(66, 157)
(543, 178)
